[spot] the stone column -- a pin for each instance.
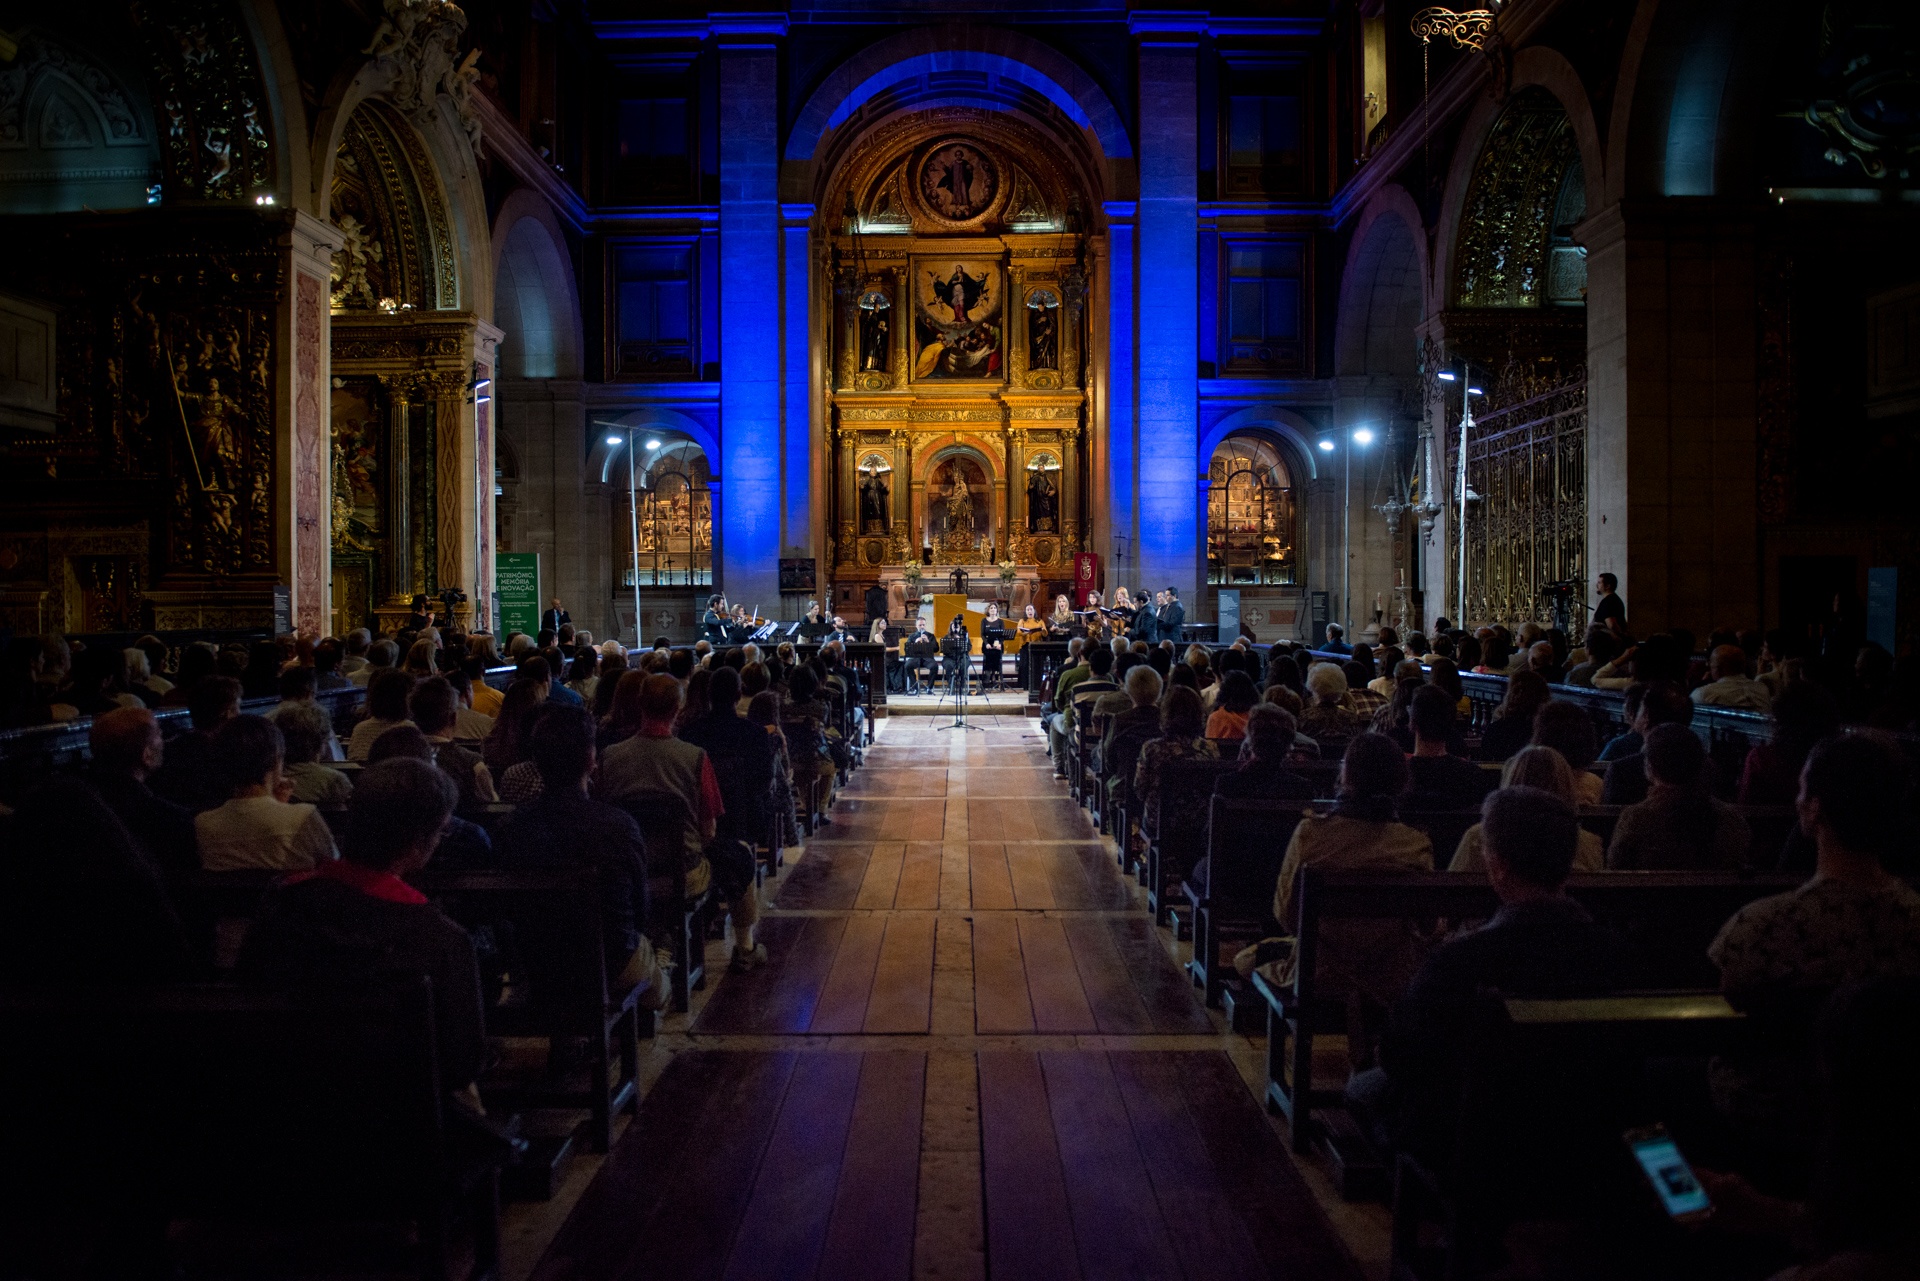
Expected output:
(1168, 299)
(751, 436)
(305, 480)
(1116, 381)
(799, 454)
(1671, 367)
(480, 444)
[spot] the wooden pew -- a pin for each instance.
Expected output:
(681, 919)
(1670, 916)
(1246, 845)
(549, 925)
(1186, 787)
(1550, 1087)
(132, 1107)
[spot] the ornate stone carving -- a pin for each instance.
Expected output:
(387, 201)
(40, 56)
(418, 42)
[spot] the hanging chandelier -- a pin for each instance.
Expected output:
(1465, 30)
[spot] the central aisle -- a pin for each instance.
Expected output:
(971, 1056)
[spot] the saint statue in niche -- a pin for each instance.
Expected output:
(1043, 330)
(875, 512)
(959, 505)
(1043, 497)
(956, 509)
(873, 340)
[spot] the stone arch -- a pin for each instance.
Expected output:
(1686, 104)
(78, 131)
(1384, 289)
(536, 297)
(399, 240)
(1291, 431)
(443, 148)
(986, 51)
(1540, 68)
(601, 455)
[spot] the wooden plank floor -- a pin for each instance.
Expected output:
(933, 1077)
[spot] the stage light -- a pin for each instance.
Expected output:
(613, 440)
(1475, 391)
(1327, 445)
(1363, 436)
(653, 444)
(1445, 375)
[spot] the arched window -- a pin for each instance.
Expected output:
(676, 517)
(1249, 515)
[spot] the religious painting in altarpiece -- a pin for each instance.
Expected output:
(959, 324)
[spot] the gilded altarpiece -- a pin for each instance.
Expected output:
(958, 416)
(153, 502)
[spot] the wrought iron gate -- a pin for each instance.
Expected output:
(1527, 462)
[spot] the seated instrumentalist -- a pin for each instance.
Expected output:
(956, 652)
(920, 652)
(814, 627)
(993, 646)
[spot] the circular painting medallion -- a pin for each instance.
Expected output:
(957, 180)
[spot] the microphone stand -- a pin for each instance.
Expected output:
(959, 692)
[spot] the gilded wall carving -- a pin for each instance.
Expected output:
(1506, 225)
(166, 400)
(398, 250)
(209, 97)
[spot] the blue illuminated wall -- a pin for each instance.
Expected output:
(1168, 319)
(750, 337)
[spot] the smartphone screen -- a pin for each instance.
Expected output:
(1671, 1176)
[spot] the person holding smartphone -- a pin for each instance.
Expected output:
(1540, 944)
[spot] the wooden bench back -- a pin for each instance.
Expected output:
(547, 926)
(1246, 845)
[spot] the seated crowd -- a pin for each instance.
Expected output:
(344, 807)
(1541, 798)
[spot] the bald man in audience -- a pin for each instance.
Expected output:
(127, 748)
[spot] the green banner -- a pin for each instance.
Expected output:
(517, 579)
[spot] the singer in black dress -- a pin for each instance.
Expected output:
(993, 647)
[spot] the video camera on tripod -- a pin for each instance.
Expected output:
(1562, 595)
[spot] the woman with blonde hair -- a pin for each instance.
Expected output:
(1061, 621)
(420, 659)
(1546, 769)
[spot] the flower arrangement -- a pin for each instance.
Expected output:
(911, 572)
(1007, 571)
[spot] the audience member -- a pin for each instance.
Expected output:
(1540, 945)
(763, 710)
(1661, 703)
(1568, 729)
(1512, 727)
(1680, 827)
(356, 922)
(305, 730)
(464, 844)
(1439, 779)
(258, 826)
(1326, 715)
(141, 682)
(1731, 686)
(562, 827)
(1266, 748)
(297, 690)
(1231, 709)
(1852, 921)
(1545, 769)
(388, 690)
(433, 707)
(1601, 649)
(742, 757)
(1369, 960)
(382, 655)
(189, 775)
(506, 745)
(127, 748)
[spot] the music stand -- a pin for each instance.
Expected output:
(958, 692)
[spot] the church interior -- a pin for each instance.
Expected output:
(513, 513)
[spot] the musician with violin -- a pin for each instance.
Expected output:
(713, 623)
(741, 627)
